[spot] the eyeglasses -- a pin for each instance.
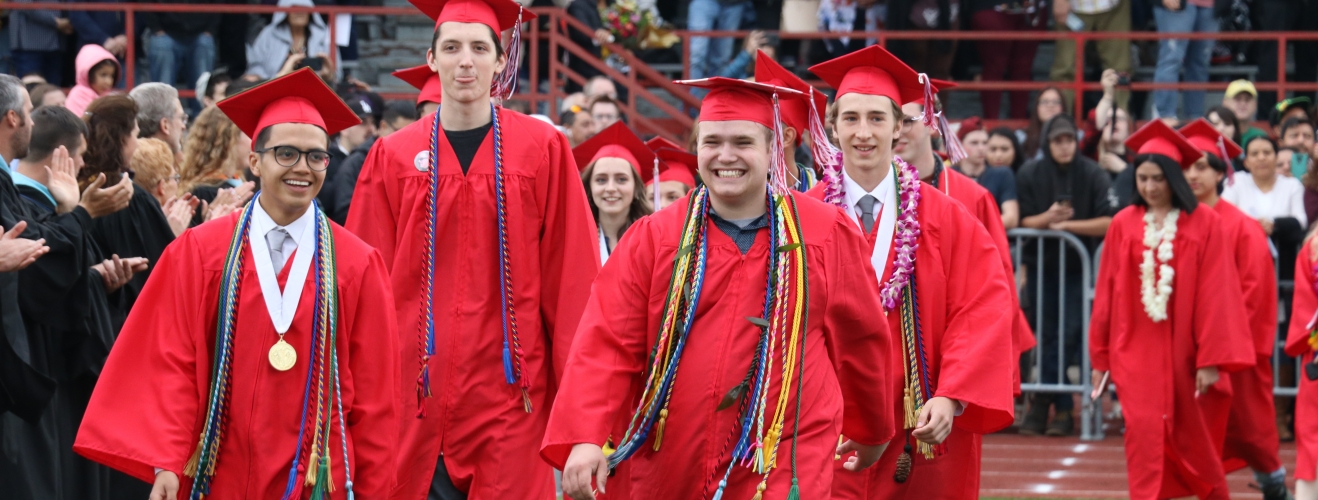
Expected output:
(288, 156)
(176, 178)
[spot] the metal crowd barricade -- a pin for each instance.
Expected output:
(1090, 414)
(1284, 291)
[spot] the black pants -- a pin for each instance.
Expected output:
(441, 487)
(1050, 330)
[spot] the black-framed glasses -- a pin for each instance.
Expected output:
(288, 156)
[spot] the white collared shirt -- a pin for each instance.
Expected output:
(282, 304)
(262, 224)
(882, 192)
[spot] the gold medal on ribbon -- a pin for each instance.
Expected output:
(282, 355)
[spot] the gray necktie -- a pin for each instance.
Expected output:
(275, 239)
(866, 204)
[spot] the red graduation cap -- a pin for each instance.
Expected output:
(734, 100)
(298, 97)
(1203, 136)
(872, 71)
(423, 79)
(796, 112)
(677, 165)
(658, 142)
(617, 141)
(499, 15)
(1156, 137)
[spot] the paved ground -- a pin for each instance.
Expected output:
(1017, 466)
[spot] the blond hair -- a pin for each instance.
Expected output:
(210, 141)
(153, 161)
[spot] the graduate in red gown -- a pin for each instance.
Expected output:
(797, 117)
(425, 80)
(1167, 322)
(916, 147)
(1250, 430)
(268, 338)
(744, 381)
(483, 224)
(1302, 342)
(677, 172)
(952, 324)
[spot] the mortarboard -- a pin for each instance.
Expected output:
(298, 97)
(617, 141)
(498, 15)
(1204, 136)
(658, 142)
(796, 112)
(872, 71)
(677, 165)
(424, 79)
(739, 100)
(1156, 137)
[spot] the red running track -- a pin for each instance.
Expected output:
(1016, 466)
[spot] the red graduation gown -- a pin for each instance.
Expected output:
(474, 416)
(1251, 430)
(980, 203)
(149, 407)
(843, 383)
(1303, 307)
(1169, 450)
(967, 323)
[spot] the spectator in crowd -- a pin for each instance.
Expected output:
(575, 99)
(397, 114)
(708, 56)
(1223, 119)
(33, 79)
(604, 111)
(57, 133)
(845, 16)
(1276, 201)
(1242, 99)
(1112, 137)
(1310, 181)
(160, 114)
(1062, 191)
(46, 94)
(214, 158)
(1049, 104)
(101, 27)
(1093, 16)
(1298, 133)
(1284, 15)
(289, 41)
(180, 46)
(580, 125)
(1295, 107)
(97, 72)
(1182, 16)
(999, 181)
(599, 85)
(36, 42)
(350, 145)
(586, 11)
(153, 166)
(1010, 60)
(1003, 150)
(742, 66)
(213, 86)
(930, 54)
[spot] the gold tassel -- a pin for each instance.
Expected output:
(759, 490)
(313, 466)
(840, 439)
(190, 469)
(659, 433)
(908, 407)
(770, 441)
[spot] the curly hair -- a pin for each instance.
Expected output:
(152, 162)
(210, 142)
(110, 121)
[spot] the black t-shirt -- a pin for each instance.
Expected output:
(466, 142)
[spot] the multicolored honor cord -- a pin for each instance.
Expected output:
(512, 345)
(322, 373)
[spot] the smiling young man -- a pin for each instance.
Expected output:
(491, 246)
(690, 286)
(268, 359)
(952, 364)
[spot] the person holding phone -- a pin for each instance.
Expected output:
(292, 40)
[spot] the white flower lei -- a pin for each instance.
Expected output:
(1155, 297)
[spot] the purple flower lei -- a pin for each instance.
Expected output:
(907, 239)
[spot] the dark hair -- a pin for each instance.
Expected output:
(1215, 162)
(52, 127)
(1291, 123)
(39, 91)
(263, 137)
(1228, 116)
(1032, 133)
(1182, 196)
(394, 110)
(217, 77)
(1018, 156)
(111, 62)
(635, 210)
(498, 43)
(110, 120)
(1257, 138)
(239, 85)
(603, 99)
(567, 118)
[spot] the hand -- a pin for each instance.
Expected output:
(290, 64)
(586, 461)
(935, 421)
(755, 41)
(1062, 225)
(1059, 212)
(1112, 162)
(17, 253)
(117, 45)
(866, 455)
(179, 212)
(113, 273)
(1204, 378)
(64, 26)
(327, 68)
(166, 487)
(1061, 9)
(602, 36)
(1109, 80)
(104, 201)
(1171, 4)
(1267, 225)
(244, 193)
(63, 184)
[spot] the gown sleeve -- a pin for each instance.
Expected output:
(371, 216)
(569, 250)
(976, 346)
(1304, 304)
(144, 411)
(373, 364)
(856, 335)
(1258, 281)
(609, 351)
(1100, 318)
(1220, 327)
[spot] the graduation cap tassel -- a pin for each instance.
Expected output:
(777, 165)
(828, 159)
(654, 185)
(505, 83)
(955, 151)
(927, 117)
(1226, 158)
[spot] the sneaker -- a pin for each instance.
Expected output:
(1062, 425)
(1276, 491)
(1036, 419)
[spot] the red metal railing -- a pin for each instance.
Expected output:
(642, 78)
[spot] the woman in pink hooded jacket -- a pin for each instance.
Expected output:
(97, 72)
